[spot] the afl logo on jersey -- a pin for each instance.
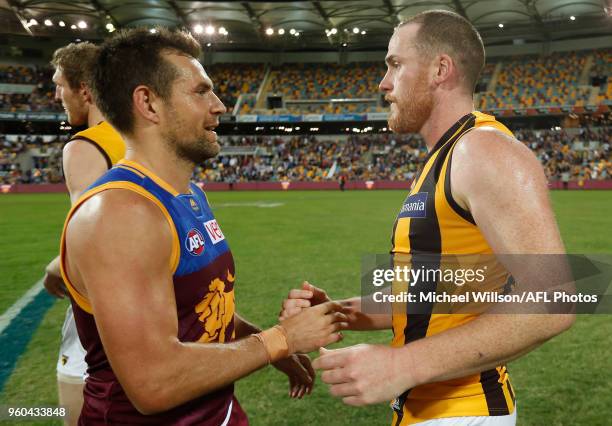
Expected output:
(194, 243)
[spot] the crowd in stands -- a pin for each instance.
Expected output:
(40, 97)
(557, 152)
(42, 160)
(584, 155)
(396, 157)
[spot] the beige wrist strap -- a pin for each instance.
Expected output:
(275, 342)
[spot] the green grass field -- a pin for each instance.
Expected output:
(320, 236)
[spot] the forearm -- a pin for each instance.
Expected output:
(481, 344)
(53, 268)
(185, 371)
(361, 321)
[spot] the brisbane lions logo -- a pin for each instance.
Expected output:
(194, 243)
(216, 310)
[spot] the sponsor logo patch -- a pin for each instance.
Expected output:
(415, 206)
(213, 231)
(194, 243)
(194, 205)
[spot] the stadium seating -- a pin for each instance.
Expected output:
(583, 153)
(560, 79)
(232, 80)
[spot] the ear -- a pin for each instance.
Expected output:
(85, 93)
(445, 69)
(146, 104)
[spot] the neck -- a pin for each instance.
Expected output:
(154, 154)
(444, 114)
(94, 116)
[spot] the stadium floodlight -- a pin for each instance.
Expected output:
(222, 31)
(501, 25)
(292, 31)
(32, 22)
(48, 22)
(152, 30)
(297, 34)
(281, 31)
(334, 30)
(61, 23)
(82, 25)
(363, 32)
(343, 44)
(355, 30)
(210, 29)
(73, 27)
(208, 44)
(269, 31)
(572, 18)
(110, 27)
(198, 29)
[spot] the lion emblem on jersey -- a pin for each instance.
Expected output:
(216, 310)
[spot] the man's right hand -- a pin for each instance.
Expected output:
(299, 299)
(314, 327)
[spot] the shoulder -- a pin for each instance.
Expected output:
(487, 150)
(119, 214)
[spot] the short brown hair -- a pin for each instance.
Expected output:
(442, 31)
(77, 61)
(134, 57)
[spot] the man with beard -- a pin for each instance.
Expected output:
(479, 192)
(149, 271)
(86, 157)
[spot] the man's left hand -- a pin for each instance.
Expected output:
(300, 372)
(365, 374)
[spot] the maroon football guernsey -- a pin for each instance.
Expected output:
(204, 291)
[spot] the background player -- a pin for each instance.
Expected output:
(492, 198)
(86, 157)
(155, 305)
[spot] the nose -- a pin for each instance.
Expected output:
(58, 96)
(385, 85)
(217, 106)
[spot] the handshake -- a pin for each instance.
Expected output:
(359, 375)
(311, 320)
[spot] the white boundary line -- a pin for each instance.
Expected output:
(13, 311)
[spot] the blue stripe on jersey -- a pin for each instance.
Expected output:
(200, 238)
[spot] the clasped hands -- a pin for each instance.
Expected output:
(361, 374)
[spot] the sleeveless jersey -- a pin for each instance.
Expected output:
(203, 278)
(431, 224)
(104, 137)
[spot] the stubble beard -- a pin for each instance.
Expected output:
(194, 147)
(412, 109)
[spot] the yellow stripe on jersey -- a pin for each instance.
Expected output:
(107, 139)
(142, 169)
(80, 299)
(447, 229)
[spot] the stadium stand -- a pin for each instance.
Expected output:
(584, 153)
(560, 79)
(569, 78)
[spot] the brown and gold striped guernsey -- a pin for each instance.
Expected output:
(432, 224)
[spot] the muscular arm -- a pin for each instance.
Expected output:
(118, 251)
(83, 164)
(508, 198)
